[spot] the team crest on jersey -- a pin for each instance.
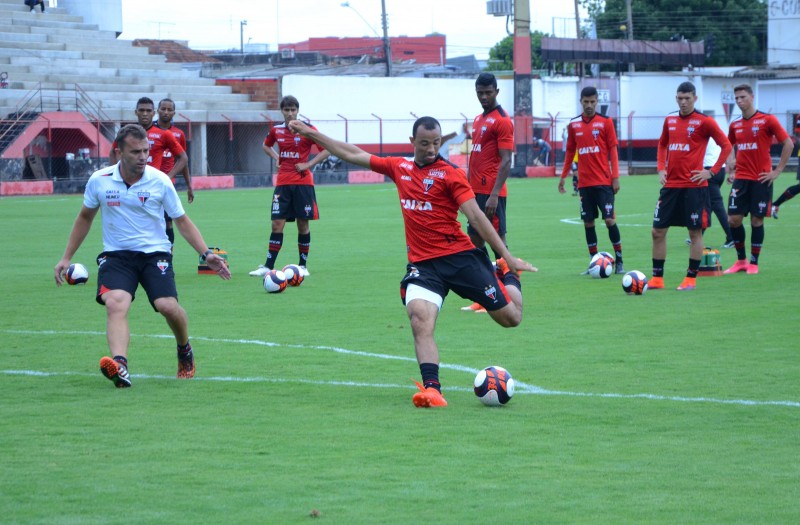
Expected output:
(595, 133)
(297, 139)
(143, 196)
(427, 183)
(163, 266)
(491, 293)
(755, 130)
(690, 130)
(483, 129)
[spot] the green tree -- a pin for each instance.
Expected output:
(501, 56)
(734, 31)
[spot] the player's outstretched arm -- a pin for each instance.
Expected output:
(347, 152)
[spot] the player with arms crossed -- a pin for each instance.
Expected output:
(490, 162)
(750, 169)
(683, 200)
(133, 197)
(162, 142)
(441, 256)
(593, 138)
(294, 198)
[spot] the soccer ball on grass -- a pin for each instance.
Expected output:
(634, 283)
(601, 266)
(494, 386)
(274, 281)
(294, 275)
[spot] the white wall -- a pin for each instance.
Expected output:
(650, 97)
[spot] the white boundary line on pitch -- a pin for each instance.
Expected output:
(521, 388)
(578, 220)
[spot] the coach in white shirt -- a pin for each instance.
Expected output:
(133, 197)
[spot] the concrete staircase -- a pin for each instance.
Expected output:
(54, 59)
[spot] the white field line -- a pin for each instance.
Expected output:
(521, 387)
(577, 220)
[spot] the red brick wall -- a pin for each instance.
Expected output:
(260, 89)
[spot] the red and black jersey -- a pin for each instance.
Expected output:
(682, 147)
(160, 141)
(430, 197)
(292, 149)
(753, 138)
(595, 141)
(169, 160)
(491, 132)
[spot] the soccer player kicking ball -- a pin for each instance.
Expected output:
(441, 256)
(683, 200)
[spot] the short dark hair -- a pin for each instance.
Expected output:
(131, 130)
(743, 87)
(687, 87)
(425, 122)
(289, 100)
(589, 91)
(166, 100)
(486, 79)
(145, 100)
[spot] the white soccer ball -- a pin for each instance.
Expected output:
(294, 274)
(601, 267)
(275, 281)
(634, 283)
(77, 274)
(494, 386)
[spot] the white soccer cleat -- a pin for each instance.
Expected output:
(261, 271)
(304, 271)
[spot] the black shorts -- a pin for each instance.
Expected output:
(294, 201)
(469, 274)
(594, 199)
(685, 207)
(499, 218)
(124, 270)
(750, 196)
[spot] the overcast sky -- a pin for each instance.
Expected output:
(469, 30)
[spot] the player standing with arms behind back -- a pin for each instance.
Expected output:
(750, 169)
(490, 162)
(441, 256)
(683, 200)
(166, 114)
(593, 137)
(790, 192)
(294, 198)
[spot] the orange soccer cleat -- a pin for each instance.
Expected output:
(689, 283)
(428, 397)
(655, 283)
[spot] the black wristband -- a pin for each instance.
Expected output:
(206, 254)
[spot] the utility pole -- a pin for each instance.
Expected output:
(242, 23)
(387, 46)
(631, 65)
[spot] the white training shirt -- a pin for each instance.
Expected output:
(133, 218)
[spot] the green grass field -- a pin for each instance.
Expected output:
(673, 407)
